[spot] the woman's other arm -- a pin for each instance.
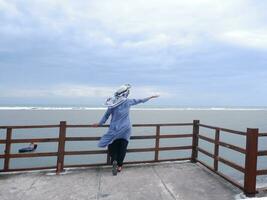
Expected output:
(104, 118)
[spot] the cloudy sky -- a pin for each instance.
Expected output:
(192, 52)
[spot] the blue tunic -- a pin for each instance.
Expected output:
(120, 125)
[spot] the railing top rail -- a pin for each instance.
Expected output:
(30, 126)
(134, 125)
(223, 129)
(263, 134)
(90, 125)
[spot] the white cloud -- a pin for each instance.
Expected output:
(135, 24)
(247, 38)
(78, 91)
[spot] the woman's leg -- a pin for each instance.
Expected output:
(122, 151)
(112, 150)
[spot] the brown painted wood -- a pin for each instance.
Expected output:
(251, 162)
(216, 149)
(223, 129)
(138, 137)
(176, 136)
(134, 125)
(205, 152)
(34, 140)
(7, 148)
(262, 134)
(82, 138)
(61, 146)
(85, 152)
(233, 147)
(224, 144)
(175, 148)
(262, 153)
(262, 172)
(29, 169)
(206, 139)
(29, 155)
(129, 162)
(32, 126)
(156, 157)
(231, 164)
(194, 154)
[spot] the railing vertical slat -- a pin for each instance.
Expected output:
(61, 146)
(216, 149)
(157, 143)
(195, 141)
(251, 162)
(7, 148)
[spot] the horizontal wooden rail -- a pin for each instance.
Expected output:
(262, 134)
(224, 144)
(28, 169)
(262, 153)
(223, 129)
(262, 172)
(32, 126)
(134, 125)
(205, 152)
(127, 162)
(91, 126)
(233, 147)
(34, 140)
(128, 150)
(132, 137)
(206, 138)
(28, 155)
(231, 164)
(227, 162)
(82, 138)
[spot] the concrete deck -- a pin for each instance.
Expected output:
(166, 181)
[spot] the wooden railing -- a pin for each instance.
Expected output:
(262, 153)
(250, 151)
(62, 138)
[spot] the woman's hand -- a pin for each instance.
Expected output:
(95, 125)
(154, 96)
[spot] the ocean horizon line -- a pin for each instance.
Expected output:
(236, 108)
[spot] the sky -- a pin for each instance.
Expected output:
(191, 52)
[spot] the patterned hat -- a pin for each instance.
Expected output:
(119, 96)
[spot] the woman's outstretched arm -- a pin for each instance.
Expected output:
(137, 101)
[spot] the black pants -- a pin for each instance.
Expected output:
(117, 150)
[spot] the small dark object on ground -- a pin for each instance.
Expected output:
(30, 148)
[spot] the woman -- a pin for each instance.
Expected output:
(118, 135)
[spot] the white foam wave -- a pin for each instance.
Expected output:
(136, 108)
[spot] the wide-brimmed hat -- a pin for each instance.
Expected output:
(119, 96)
(123, 91)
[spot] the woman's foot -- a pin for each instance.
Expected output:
(119, 169)
(114, 168)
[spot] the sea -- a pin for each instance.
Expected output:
(236, 118)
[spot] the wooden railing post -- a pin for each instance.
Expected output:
(216, 149)
(61, 147)
(195, 141)
(7, 148)
(251, 162)
(157, 143)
